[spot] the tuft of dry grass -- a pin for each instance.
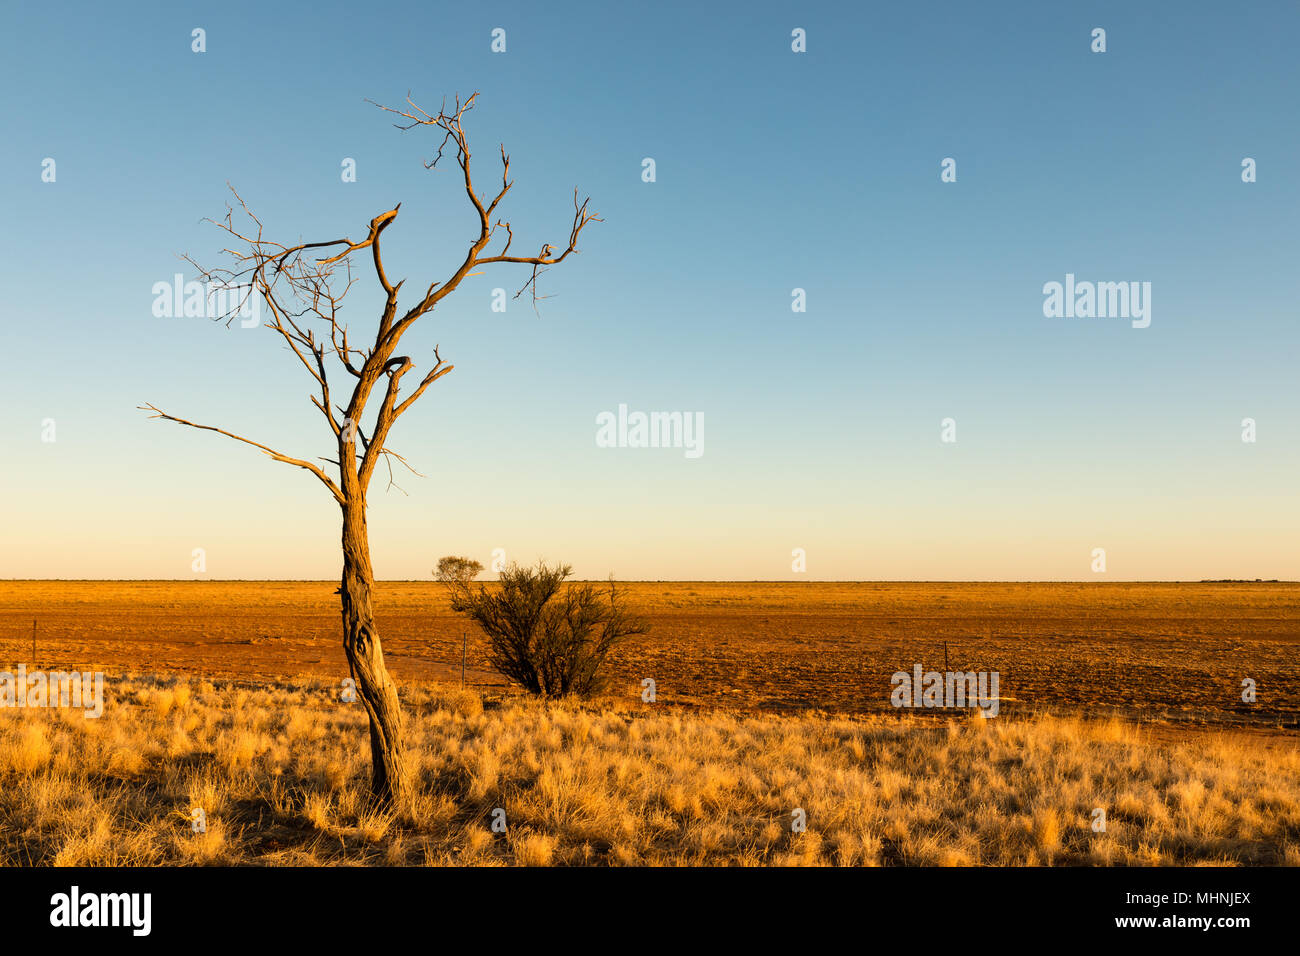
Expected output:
(29, 752)
(280, 772)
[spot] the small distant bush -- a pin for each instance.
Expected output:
(457, 570)
(548, 637)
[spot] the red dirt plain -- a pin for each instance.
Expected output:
(1162, 652)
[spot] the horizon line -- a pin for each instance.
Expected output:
(671, 581)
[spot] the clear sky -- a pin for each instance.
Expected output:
(775, 170)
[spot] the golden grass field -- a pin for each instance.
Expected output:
(770, 698)
(282, 780)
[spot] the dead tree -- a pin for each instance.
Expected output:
(303, 287)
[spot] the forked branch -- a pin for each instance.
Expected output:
(297, 284)
(451, 125)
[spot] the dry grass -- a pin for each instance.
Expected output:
(280, 772)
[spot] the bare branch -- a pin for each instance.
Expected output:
(450, 124)
(278, 456)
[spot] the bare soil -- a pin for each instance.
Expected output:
(1174, 653)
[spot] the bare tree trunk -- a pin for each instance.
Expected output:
(390, 783)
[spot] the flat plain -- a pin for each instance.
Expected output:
(1170, 653)
(772, 700)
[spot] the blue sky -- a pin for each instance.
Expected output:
(774, 171)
